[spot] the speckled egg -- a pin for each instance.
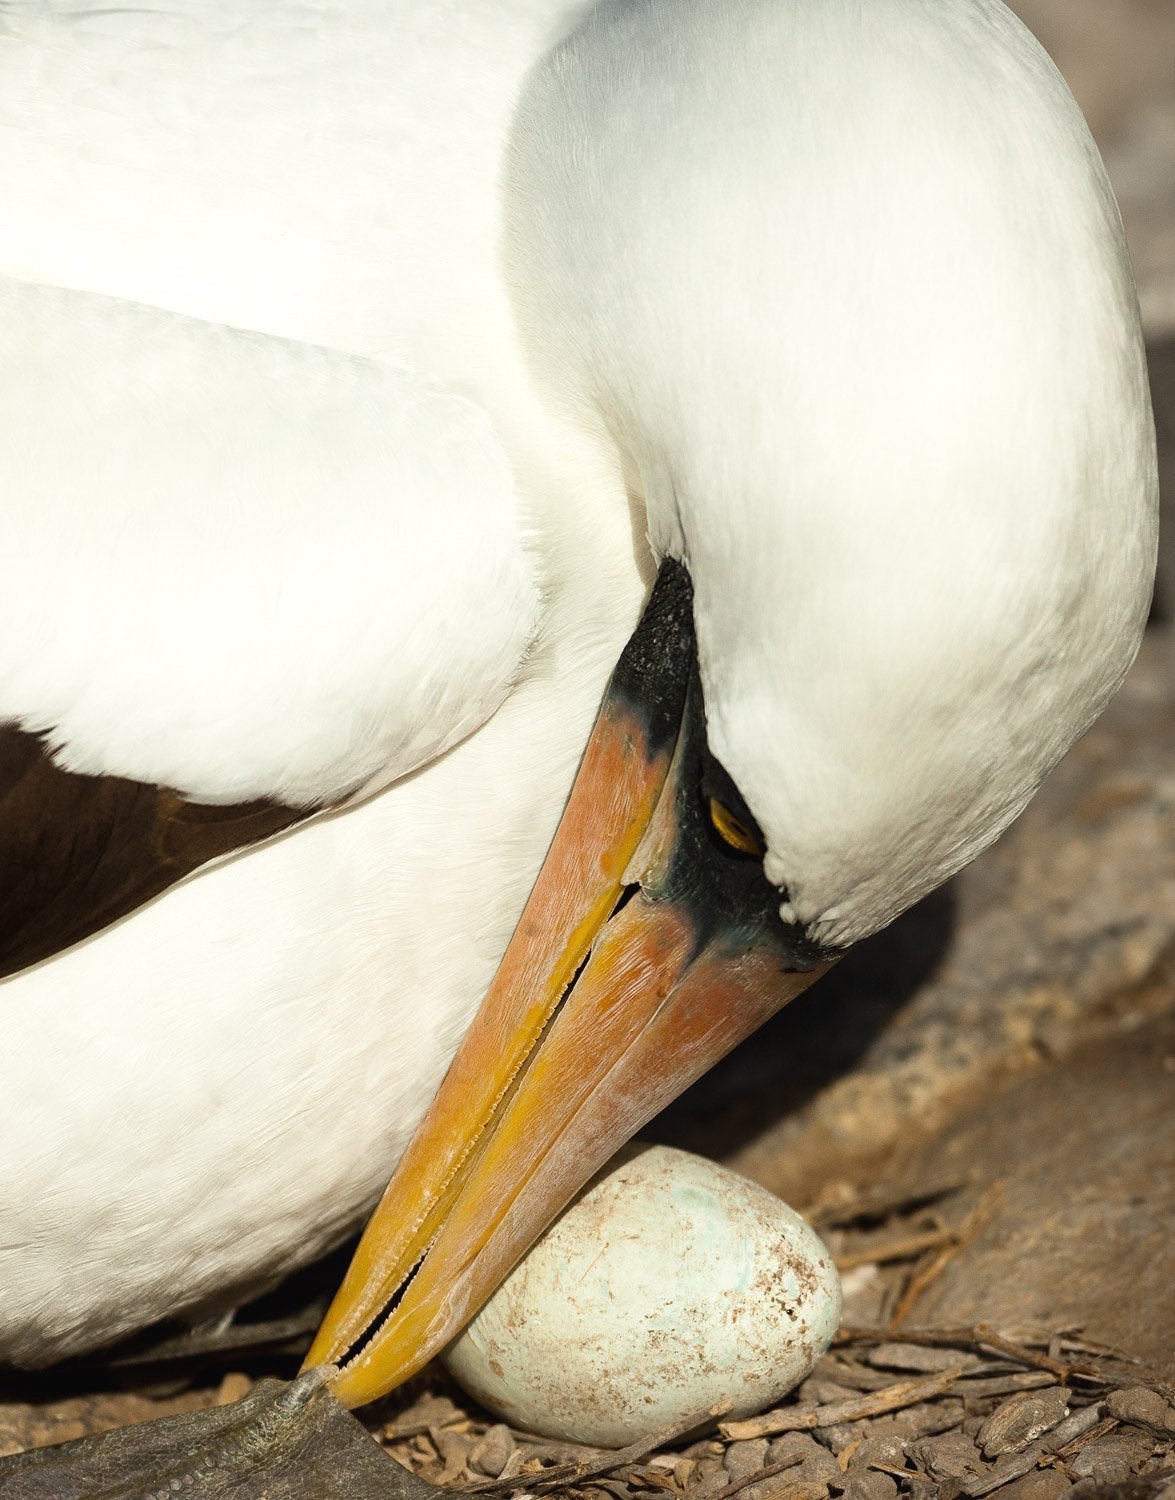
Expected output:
(668, 1286)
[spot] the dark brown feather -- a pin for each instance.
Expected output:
(78, 852)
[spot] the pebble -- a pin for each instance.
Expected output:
(670, 1285)
(870, 1484)
(812, 1464)
(744, 1459)
(839, 1435)
(1142, 1408)
(796, 1445)
(951, 1455)
(454, 1449)
(709, 1477)
(683, 1473)
(1021, 1419)
(1113, 1458)
(878, 1450)
(492, 1453)
(1041, 1484)
(927, 1418)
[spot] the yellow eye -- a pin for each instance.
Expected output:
(733, 830)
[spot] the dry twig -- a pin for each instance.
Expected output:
(903, 1249)
(929, 1272)
(832, 1413)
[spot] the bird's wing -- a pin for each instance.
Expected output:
(241, 580)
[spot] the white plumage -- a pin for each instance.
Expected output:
(343, 373)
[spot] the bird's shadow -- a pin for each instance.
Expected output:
(819, 1037)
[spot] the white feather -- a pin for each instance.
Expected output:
(243, 567)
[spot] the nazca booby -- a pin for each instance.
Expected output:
(362, 364)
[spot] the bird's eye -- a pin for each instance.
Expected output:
(733, 831)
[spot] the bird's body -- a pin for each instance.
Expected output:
(214, 1089)
(210, 1091)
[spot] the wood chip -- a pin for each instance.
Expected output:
(1066, 1438)
(1021, 1419)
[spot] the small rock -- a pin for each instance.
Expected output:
(1021, 1419)
(810, 1463)
(744, 1459)
(1113, 1458)
(709, 1476)
(951, 1455)
(822, 1466)
(1142, 1408)
(923, 1420)
(919, 1359)
(799, 1489)
(798, 1445)
(492, 1453)
(454, 1449)
(870, 1484)
(1041, 1484)
(878, 1450)
(838, 1436)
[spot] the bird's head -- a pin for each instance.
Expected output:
(845, 289)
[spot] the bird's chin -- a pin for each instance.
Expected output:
(620, 986)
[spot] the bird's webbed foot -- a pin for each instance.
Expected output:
(280, 1442)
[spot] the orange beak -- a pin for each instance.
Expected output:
(636, 964)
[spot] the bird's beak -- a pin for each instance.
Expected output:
(624, 981)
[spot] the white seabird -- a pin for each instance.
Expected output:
(362, 363)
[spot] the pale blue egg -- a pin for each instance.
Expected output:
(669, 1286)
